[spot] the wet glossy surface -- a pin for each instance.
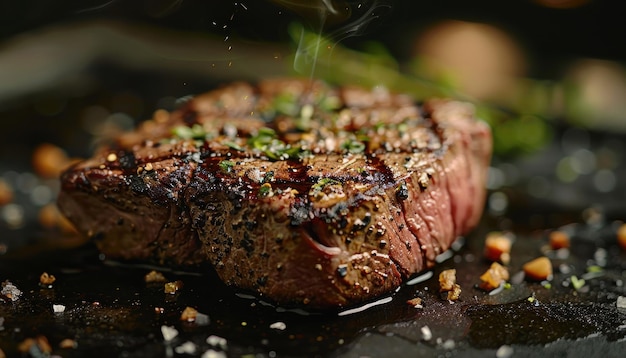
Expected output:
(111, 310)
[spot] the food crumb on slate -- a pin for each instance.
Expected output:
(168, 333)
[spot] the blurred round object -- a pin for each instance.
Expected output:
(6, 193)
(481, 60)
(599, 90)
(49, 160)
(562, 4)
(51, 218)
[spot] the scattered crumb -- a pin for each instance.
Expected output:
(504, 351)
(68, 343)
(186, 348)
(154, 277)
(559, 240)
(216, 341)
(40, 345)
(168, 333)
(281, 326)
(189, 314)
(538, 269)
(447, 283)
(173, 287)
(58, 308)
(46, 279)
(621, 302)
(447, 279)
(494, 277)
(427, 334)
(213, 354)
(10, 291)
(448, 344)
(498, 247)
(455, 293)
(415, 302)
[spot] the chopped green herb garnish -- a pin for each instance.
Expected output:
(267, 142)
(265, 190)
(263, 138)
(195, 132)
(321, 184)
(507, 286)
(303, 123)
(233, 145)
(353, 146)
(227, 166)
(330, 103)
(594, 269)
(577, 283)
(286, 103)
(268, 177)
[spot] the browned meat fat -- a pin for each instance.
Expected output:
(301, 193)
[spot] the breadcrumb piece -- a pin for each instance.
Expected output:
(559, 240)
(173, 287)
(447, 283)
(494, 277)
(455, 293)
(498, 247)
(68, 343)
(168, 333)
(415, 302)
(189, 314)
(154, 277)
(538, 269)
(10, 291)
(47, 279)
(447, 279)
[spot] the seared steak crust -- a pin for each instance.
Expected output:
(299, 192)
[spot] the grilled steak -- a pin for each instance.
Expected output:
(301, 193)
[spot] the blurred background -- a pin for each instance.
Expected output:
(548, 75)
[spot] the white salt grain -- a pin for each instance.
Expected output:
(58, 308)
(169, 333)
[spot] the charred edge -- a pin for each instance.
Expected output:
(127, 160)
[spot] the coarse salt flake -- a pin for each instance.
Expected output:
(427, 334)
(58, 308)
(169, 333)
(278, 325)
(504, 351)
(213, 354)
(216, 341)
(621, 302)
(187, 347)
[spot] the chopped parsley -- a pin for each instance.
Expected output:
(353, 146)
(267, 142)
(227, 166)
(196, 131)
(233, 145)
(319, 186)
(265, 190)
